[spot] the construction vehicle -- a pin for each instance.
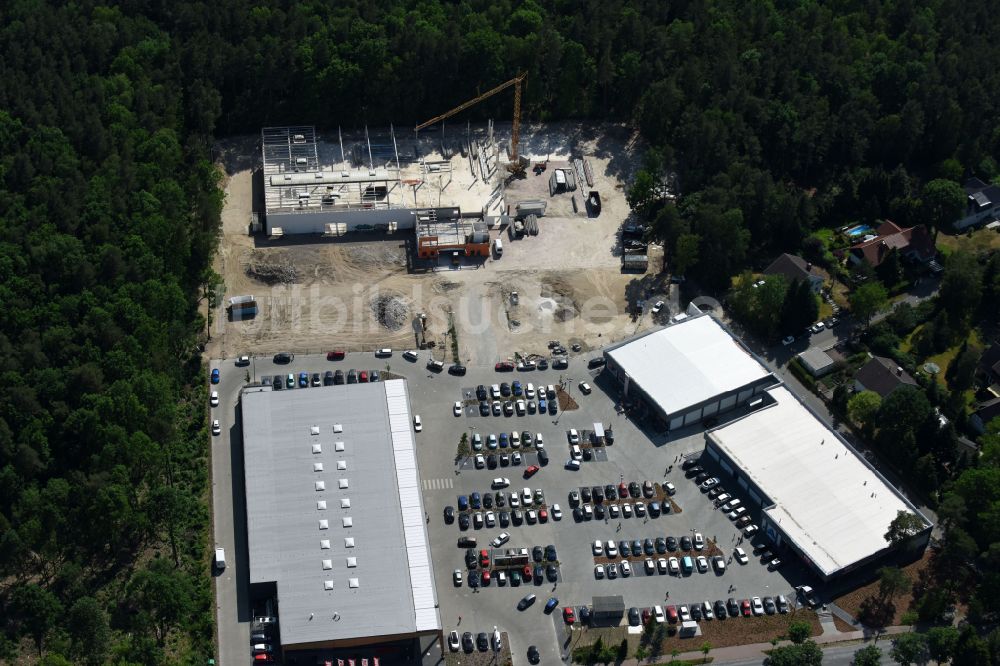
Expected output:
(517, 166)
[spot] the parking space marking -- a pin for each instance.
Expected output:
(438, 484)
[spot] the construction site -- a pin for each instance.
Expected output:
(486, 239)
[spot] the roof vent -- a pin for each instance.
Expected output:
(338, 428)
(324, 544)
(899, 372)
(320, 485)
(349, 542)
(324, 524)
(321, 505)
(317, 467)
(345, 503)
(343, 484)
(314, 430)
(327, 565)
(341, 464)
(317, 448)
(338, 446)
(352, 562)
(348, 521)
(353, 583)
(327, 584)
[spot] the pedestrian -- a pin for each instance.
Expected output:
(460, 619)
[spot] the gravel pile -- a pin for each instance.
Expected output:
(390, 311)
(272, 272)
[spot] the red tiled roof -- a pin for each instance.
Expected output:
(910, 241)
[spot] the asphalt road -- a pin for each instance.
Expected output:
(836, 655)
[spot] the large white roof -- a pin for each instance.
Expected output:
(687, 363)
(826, 499)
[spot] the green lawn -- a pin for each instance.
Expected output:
(981, 241)
(944, 359)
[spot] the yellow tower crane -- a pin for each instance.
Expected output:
(515, 166)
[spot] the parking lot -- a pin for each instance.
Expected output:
(636, 455)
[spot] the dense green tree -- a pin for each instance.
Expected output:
(943, 204)
(800, 654)
(686, 253)
(892, 582)
(863, 407)
(909, 648)
(961, 286)
(38, 610)
(970, 649)
(902, 527)
(941, 642)
(799, 631)
(90, 630)
(867, 300)
(800, 307)
(869, 655)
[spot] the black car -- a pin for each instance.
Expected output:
(505, 389)
(467, 644)
(328, 378)
(488, 501)
(491, 461)
(283, 357)
(537, 553)
(516, 517)
(559, 363)
(585, 614)
(338, 377)
(279, 382)
(609, 436)
(473, 579)
(720, 610)
(701, 478)
(598, 493)
(504, 519)
(733, 607)
(553, 406)
(550, 553)
(671, 544)
(696, 611)
(501, 500)
(685, 543)
(539, 572)
(463, 521)
(648, 547)
(449, 514)
(689, 463)
(467, 542)
(588, 454)
(577, 514)
(633, 489)
(543, 364)
(482, 642)
(625, 549)
(533, 656)
(599, 511)
(596, 362)
(637, 547)
(458, 370)
(610, 492)
(551, 573)
(471, 561)
(543, 457)
(481, 392)
(484, 408)
(525, 602)
(661, 545)
(352, 376)
(633, 616)
(316, 379)
(585, 494)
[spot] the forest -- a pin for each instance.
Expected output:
(778, 117)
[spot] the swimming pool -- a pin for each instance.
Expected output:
(859, 230)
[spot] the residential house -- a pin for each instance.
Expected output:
(883, 376)
(989, 364)
(913, 243)
(985, 412)
(982, 204)
(796, 268)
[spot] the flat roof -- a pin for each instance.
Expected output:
(827, 500)
(334, 512)
(687, 363)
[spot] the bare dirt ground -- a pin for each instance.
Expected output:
(568, 278)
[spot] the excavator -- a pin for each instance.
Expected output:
(517, 165)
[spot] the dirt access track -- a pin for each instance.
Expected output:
(318, 294)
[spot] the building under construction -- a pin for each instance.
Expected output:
(447, 231)
(376, 181)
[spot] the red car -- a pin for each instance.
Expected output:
(486, 577)
(672, 614)
(568, 615)
(647, 614)
(530, 471)
(526, 574)
(543, 516)
(622, 490)
(363, 376)
(335, 355)
(745, 608)
(484, 558)
(504, 366)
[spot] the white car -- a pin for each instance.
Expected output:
(706, 610)
(659, 615)
(661, 565)
(529, 391)
(531, 516)
(613, 510)
(384, 352)
(480, 461)
(453, 641)
(720, 563)
(515, 500)
(526, 496)
(477, 442)
(721, 500)
(626, 568)
(657, 307)
(598, 571)
(650, 565)
(669, 488)
(701, 560)
(515, 440)
(675, 566)
(737, 512)
(458, 408)
(572, 465)
(417, 425)
(515, 459)
(539, 442)
(741, 556)
(758, 607)
(627, 510)
(699, 541)
(214, 399)
(243, 360)
(611, 549)
(750, 531)
(502, 577)
(497, 408)
(491, 519)
(216, 428)
(501, 482)
(585, 388)
(556, 512)
(457, 577)
(731, 504)
(500, 539)
(598, 548)
(520, 407)
(787, 340)
(574, 436)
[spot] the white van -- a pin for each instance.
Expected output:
(220, 558)
(498, 247)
